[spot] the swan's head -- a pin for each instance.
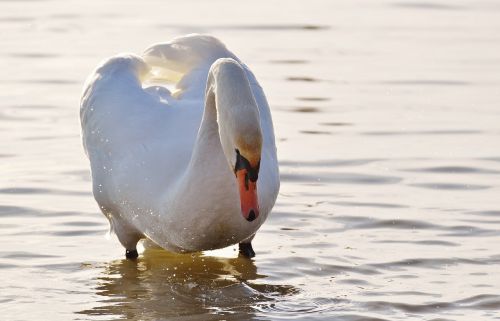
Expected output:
(243, 151)
(247, 173)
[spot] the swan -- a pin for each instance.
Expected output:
(191, 169)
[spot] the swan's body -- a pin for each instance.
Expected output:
(163, 165)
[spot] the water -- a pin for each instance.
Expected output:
(387, 122)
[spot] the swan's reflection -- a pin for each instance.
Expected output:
(163, 285)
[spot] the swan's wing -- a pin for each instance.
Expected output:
(120, 120)
(185, 61)
(115, 111)
(136, 139)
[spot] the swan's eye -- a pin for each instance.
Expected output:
(252, 173)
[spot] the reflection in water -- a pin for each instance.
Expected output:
(161, 284)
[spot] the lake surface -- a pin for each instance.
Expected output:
(387, 117)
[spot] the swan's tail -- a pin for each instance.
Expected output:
(174, 59)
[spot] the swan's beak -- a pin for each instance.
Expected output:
(248, 195)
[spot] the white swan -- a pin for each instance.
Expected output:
(191, 170)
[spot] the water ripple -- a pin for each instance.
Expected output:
(370, 204)
(361, 222)
(37, 190)
(289, 309)
(423, 242)
(485, 213)
(453, 170)
(451, 186)
(331, 163)
(425, 263)
(340, 178)
(478, 302)
(8, 211)
(427, 6)
(25, 255)
(423, 132)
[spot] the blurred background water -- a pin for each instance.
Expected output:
(387, 119)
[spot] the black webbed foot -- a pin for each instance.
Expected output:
(131, 254)
(246, 250)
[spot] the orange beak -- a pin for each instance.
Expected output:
(248, 195)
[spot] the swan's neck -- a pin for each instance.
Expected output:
(208, 191)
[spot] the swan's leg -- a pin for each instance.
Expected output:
(246, 249)
(128, 237)
(129, 242)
